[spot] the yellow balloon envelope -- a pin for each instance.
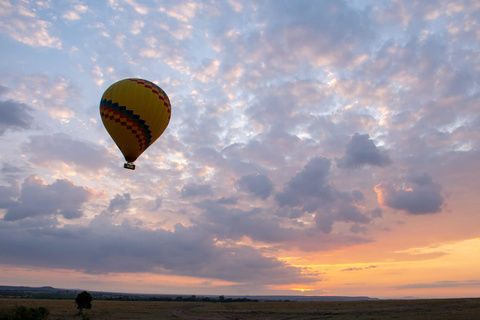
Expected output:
(135, 113)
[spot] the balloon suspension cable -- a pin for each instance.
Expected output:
(129, 165)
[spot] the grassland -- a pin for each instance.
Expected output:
(375, 309)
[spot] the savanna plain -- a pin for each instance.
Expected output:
(468, 308)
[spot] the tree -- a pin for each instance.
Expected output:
(84, 301)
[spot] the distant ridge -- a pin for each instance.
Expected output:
(45, 292)
(48, 292)
(46, 288)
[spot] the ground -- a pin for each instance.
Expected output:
(379, 309)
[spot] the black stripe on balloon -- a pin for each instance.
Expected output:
(108, 109)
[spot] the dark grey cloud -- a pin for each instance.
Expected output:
(224, 200)
(14, 115)
(158, 203)
(309, 187)
(361, 150)
(8, 195)
(343, 208)
(234, 223)
(196, 190)
(38, 198)
(260, 225)
(421, 196)
(311, 191)
(9, 168)
(3, 90)
(45, 149)
(257, 184)
(119, 203)
(359, 269)
(103, 247)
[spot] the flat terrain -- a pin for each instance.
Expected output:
(375, 309)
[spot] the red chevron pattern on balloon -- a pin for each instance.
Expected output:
(128, 119)
(158, 91)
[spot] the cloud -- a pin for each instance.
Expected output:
(137, 7)
(361, 150)
(311, 191)
(37, 198)
(224, 200)
(158, 203)
(104, 247)
(343, 208)
(420, 197)
(8, 195)
(257, 184)
(309, 184)
(196, 190)
(13, 172)
(57, 96)
(14, 116)
(322, 33)
(184, 12)
(3, 90)
(359, 269)
(21, 23)
(208, 71)
(234, 223)
(75, 13)
(442, 284)
(119, 203)
(47, 149)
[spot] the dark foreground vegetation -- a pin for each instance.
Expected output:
(24, 313)
(298, 310)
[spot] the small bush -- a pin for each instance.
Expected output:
(24, 313)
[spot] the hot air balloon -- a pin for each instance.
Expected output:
(135, 113)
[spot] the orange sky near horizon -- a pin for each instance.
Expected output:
(359, 271)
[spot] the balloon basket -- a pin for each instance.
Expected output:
(129, 165)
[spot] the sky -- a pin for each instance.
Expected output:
(315, 148)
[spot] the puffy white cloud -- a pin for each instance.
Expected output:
(57, 96)
(138, 7)
(182, 11)
(22, 24)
